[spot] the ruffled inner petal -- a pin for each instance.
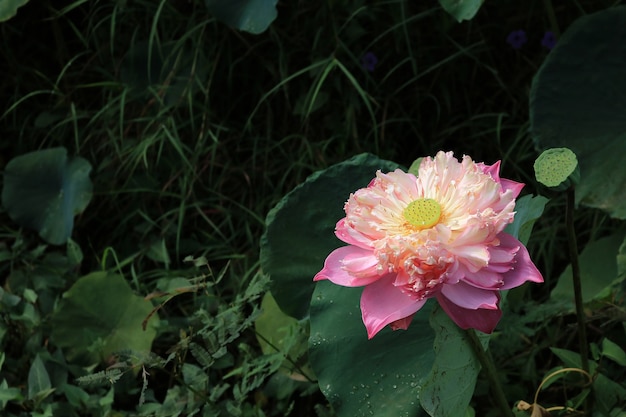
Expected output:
(485, 279)
(351, 236)
(474, 257)
(502, 254)
(360, 262)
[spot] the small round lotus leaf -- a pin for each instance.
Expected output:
(43, 190)
(100, 315)
(555, 166)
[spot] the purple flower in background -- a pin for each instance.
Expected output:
(549, 40)
(369, 61)
(516, 39)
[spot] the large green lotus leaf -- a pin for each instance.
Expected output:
(253, 16)
(8, 8)
(300, 229)
(449, 386)
(577, 101)
(598, 269)
(379, 377)
(100, 315)
(461, 9)
(44, 190)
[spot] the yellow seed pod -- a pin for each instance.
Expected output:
(423, 213)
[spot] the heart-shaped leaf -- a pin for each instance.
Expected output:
(577, 102)
(44, 190)
(300, 229)
(98, 316)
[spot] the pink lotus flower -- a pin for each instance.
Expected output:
(438, 235)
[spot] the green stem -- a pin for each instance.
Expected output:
(578, 294)
(490, 369)
(552, 17)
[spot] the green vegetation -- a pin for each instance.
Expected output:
(136, 288)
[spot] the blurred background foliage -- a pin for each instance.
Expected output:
(193, 131)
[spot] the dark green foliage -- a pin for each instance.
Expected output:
(195, 130)
(8, 8)
(253, 16)
(573, 106)
(109, 317)
(44, 190)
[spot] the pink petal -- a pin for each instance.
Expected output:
(523, 268)
(351, 236)
(382, 303)
(514, 186)
(492, 276)
(360, 261)
(501, 254)
(494, 171)
(473, 257)
(469, 297)
(486, 278)
(481, 319)
(405, 185)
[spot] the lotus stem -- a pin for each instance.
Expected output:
(578, 294)
(490, 369)
(554, 25)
